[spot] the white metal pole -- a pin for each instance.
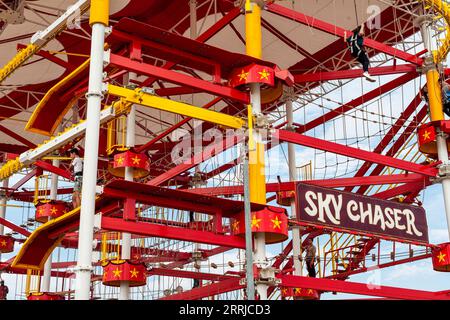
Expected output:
(86, 229)
(296, 239)
(259, 238)
(46, 278)
(126, 237)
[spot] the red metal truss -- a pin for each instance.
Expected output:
(404, 116)
(162, 231)
(315, 23)
(324, 145)
(329, 183)
(178, 78)
(17, 137)
(189, 274)
(399, 143)
(354, 73)
(359, 288)
(208, 290)
(13, 227)
(51, 168)
(358, 101)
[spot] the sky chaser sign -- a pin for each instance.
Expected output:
(361, 214)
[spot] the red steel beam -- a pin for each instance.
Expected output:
(153, 230)
(353, 73)
(13, 227)
(178, 78)
(399, 143)
(358, 288)
(357, 102)
(24, 180)
(51, 168)
(208, 291)
(329, 28)
(404, 116)
(324, 145)
(188, 274)
(328, 183)
(196, 159)
(18, 137)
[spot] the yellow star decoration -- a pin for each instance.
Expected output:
(298, 290)
(276, 223)
(134, 273)
(120, 160)
(256, 222)
(441, 256)
(40, 211)
(3, 243)
(104, 274)
(426, 135)
(136, 160)
(236, 226)
(53, 210)
(310, 291)
(264, 74)
(284, 291)
(117, 272)
(243, 76)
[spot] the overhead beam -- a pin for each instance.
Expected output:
(359, 288)
(162, 231)
(351, 152)
(313, 22)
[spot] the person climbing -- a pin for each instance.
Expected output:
(356, 43)
(3, 290)
(77, 168)
(446, 98)
(310, 258)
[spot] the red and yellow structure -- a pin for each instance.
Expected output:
(116, 272)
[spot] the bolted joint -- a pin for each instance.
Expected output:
(261, 121)
(444, 171)
(197, 180)
(267, 276)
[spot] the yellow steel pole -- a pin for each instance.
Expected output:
(256, 166)
(434, 95)
(256, 155)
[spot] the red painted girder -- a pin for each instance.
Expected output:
(18, 137)
(208, 291)
(401, 190)
(205, 36)
(195, 160)
(358, 288)
(345, 275)
(51, 168)
(358, 101)
(324, 145)
(153, 230)
(329, 183)
(13, 227)
(147, 146)
(188, 274)
(390, 134)
(24, 180)
(313, 22)
(353, 73)
(178, 78)
(399, 143)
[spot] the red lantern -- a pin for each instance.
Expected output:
(6, 244)
(285, 198)
(441, 258)
(300, 293)
(116, 272)
(45, 296)
(52, 209)
(138, 161)
(426, 136)
(252, 74)
(272, 221)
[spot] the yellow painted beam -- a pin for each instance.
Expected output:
(147, 100)
(434, 95)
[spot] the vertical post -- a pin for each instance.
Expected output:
(129, 171)
(248, 228)
(296, 238)
(48, 264)
(193, 18)
(3, 203)
(256, 156)
(436, 110)
(99, 21)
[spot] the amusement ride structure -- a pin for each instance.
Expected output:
(208, 129)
